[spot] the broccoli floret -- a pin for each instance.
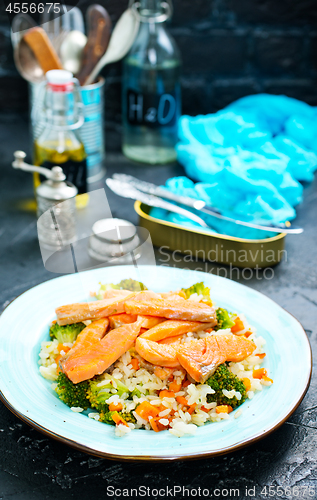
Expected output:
(72, 394)
(133, 285)
(224, 319)
(98, 395)
(136, 393)
(200, 289)
(224, 379)
(127, 284)
(67, 333)
(106, 417)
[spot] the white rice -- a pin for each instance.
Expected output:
(172, 414)
(94, 416)
(122, 430)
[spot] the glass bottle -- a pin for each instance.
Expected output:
(59, 144)
(151, 94)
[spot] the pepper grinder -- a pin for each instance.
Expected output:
(56, 206)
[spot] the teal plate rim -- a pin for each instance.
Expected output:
(184, 278)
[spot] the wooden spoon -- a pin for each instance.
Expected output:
(35, 55)
(121, 41)
(99, 31)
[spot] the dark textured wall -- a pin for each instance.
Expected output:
(230, 48)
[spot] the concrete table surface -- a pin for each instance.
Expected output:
(33, 466)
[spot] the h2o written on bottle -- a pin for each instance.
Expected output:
(151, 109)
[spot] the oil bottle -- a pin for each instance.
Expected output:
(59, 144)
(151, 94)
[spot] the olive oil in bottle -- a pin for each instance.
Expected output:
(72, 158)
(59, 143)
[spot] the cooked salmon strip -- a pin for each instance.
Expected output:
(187, 310)
(237, 348)
(74, 313)
(172, 340)
(147, 321)
(171, 296)
(145, 295)
(171, 328)
(121, 319)
(157, 354)
(95, 359)
(88, 336)
(150, 321)
(199, 361)
(200, 358)
(108, 294)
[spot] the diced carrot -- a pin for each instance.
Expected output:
(167, 394)
(209, 330)
(156, 424)
(113, 407)
(160, 426)
(260, 373)
(62, 347)
(118, 419)
(204, 409)
(54, 321)
(247, 334)
(175, 387)
(58, 357)
(186, 383)
(191, 409)
(224, 409)
(247, 383)
(182, 401)
(146, 410)
(262, 355)
(135, 363)
(267, 379)
(238, 325)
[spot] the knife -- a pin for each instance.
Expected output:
(148, 187)
(126, 190)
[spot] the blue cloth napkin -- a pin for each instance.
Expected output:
(248, 160)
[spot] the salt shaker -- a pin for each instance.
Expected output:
(56, 208)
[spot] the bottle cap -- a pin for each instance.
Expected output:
(56, 190)
(114, 239)
(60, 80)
(114, 230)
